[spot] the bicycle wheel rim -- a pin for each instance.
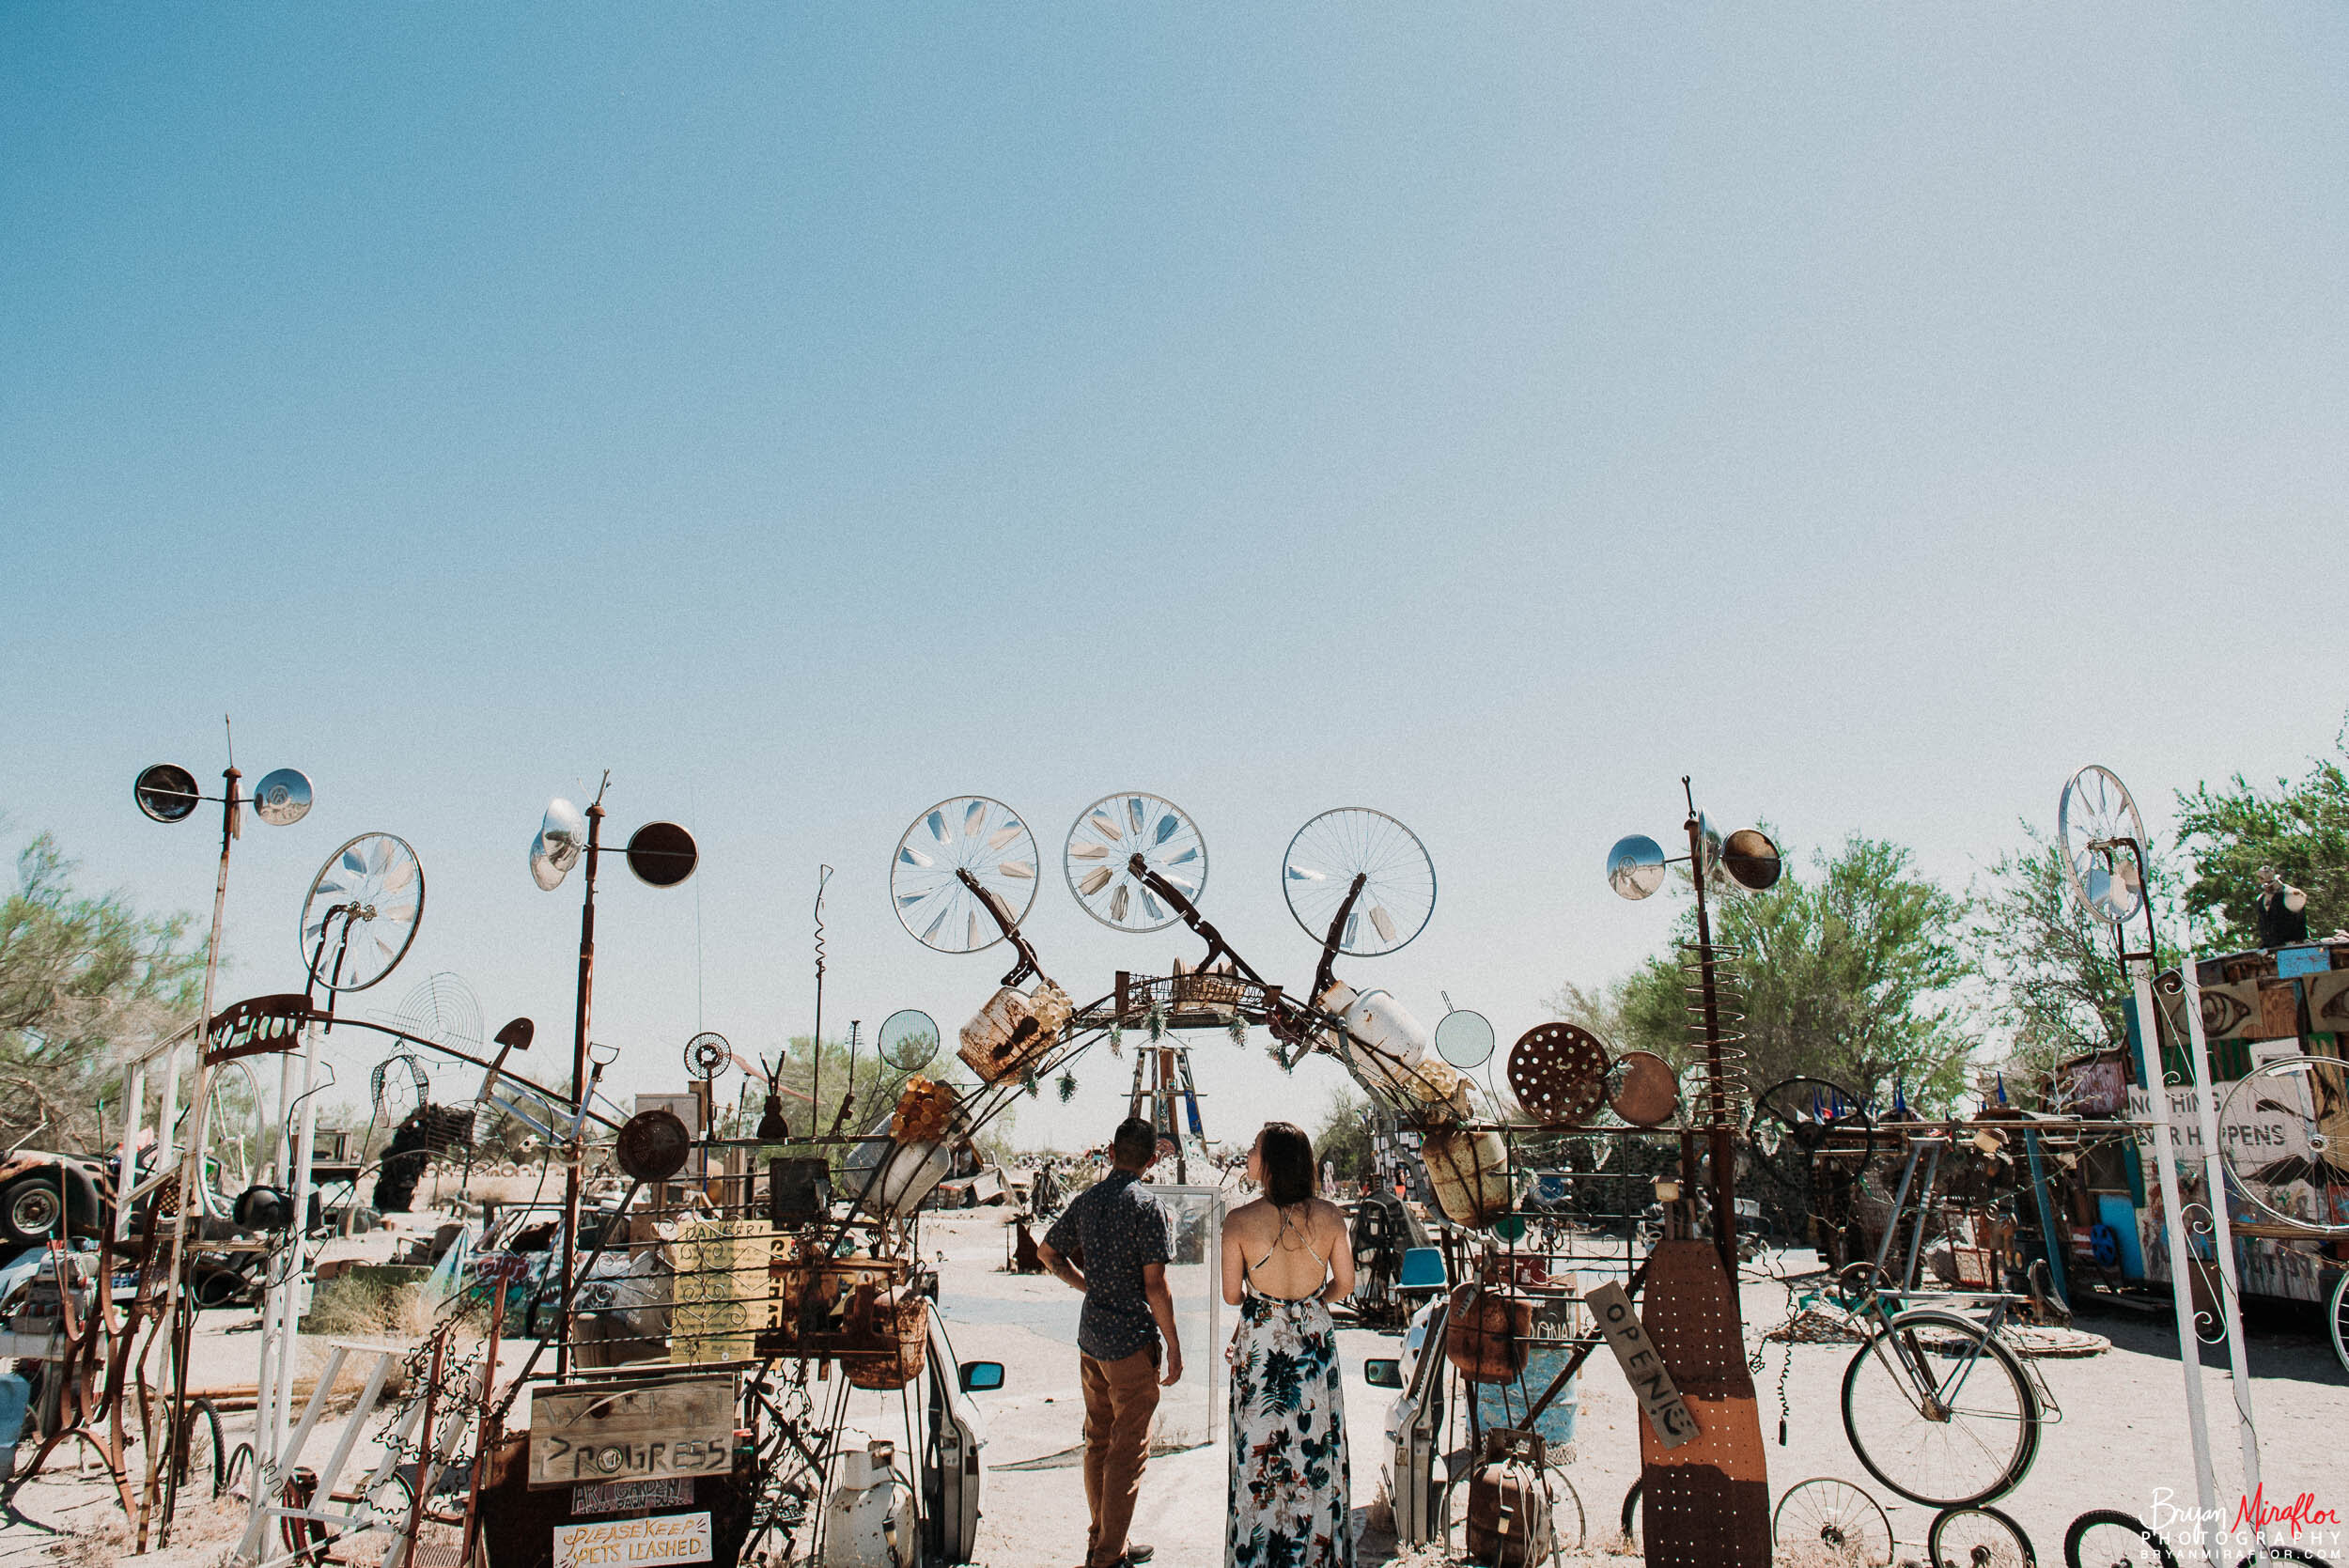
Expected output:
(2340, 1320)
(2107, 1537)
(1978, 1538)
(1978, 1452)
(1827, 1519)
(1564, 1500)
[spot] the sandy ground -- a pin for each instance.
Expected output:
(2120, 1439)
(2122, 1436)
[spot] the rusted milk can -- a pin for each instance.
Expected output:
(1469, 1172)
(1014, 1029)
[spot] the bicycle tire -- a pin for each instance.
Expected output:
(187, 1442)
(1557, 1510)
(2340, 1320)
(2075, 1539)
(243, 1462)
(2014, 1549)
(1631, 1512)
(1917, 1486)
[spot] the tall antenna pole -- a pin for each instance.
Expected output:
(192, 1158)
(815, 1105)
(576, 1153)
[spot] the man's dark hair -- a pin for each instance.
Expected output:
(1288, 1163)
(1135, 1144)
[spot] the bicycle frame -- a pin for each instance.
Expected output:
(1934, 1399)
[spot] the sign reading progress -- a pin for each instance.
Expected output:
(631, 1432)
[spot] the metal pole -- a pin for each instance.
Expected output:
(2052, 1242)
(576, 1154)
(2222, 1242)
(2173, 1230)
(290, 1289)
(192, 1162)
(126, 1168)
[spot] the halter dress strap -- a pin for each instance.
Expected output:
(1288, 1222)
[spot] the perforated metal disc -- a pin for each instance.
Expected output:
(1099, 856)
(1398, 880)
(973, 834)
(365, 906)
(909, 1039)
(1558, 1072)
(1465, 1038)
(2094, 823)
(1641, 1089)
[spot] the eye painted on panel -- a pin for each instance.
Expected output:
(2222, 1011)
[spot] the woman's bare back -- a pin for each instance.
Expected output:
(1278, 1248)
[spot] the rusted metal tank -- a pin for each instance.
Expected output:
(1469, 1172)
(1013, 1030)
(1484, 1334)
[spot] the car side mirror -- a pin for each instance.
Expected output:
(1383, 1372)
(979, 1377)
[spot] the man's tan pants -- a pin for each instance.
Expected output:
(1120, 1396)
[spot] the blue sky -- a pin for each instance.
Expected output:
(1489, 416)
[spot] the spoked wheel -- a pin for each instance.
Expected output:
(1978, 1538)
(2107, 1538)
(1566, 1512)
(1940, 1412)
(1824, 1521)
(2338, 1318)
(2303, 1181)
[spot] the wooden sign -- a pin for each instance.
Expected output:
(632, 1496)
(631, 1432)
(1651, 1381)
(633, 1543)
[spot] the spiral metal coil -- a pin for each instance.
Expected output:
(1721, 1101)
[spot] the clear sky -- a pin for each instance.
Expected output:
(1487, 415)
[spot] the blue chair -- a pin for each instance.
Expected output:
(1422, 1270)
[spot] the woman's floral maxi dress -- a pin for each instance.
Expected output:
(1291, 1500)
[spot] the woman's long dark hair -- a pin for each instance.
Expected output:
(1288, 1162)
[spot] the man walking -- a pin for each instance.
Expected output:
(1125, 1238)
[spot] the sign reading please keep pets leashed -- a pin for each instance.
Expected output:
(1610, 1304)
(633, 1543)
(632, 1430)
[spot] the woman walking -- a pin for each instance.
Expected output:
(1285, 1257)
